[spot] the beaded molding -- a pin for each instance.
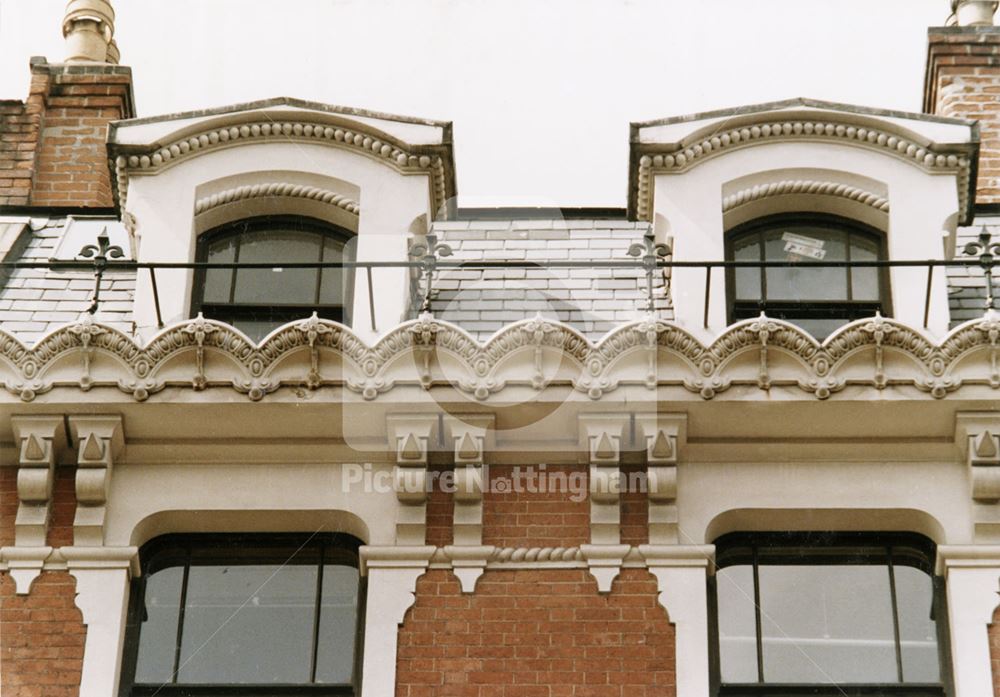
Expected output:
(355, 139)
(687, 155)
(315, 355)
(276, 189)
(805, 186)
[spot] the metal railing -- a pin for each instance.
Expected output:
(426, 258)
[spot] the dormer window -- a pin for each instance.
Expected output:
(818, 299)
(257, 300)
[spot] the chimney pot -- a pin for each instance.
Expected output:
(973, 13)
(89, 27)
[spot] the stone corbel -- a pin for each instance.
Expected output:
(601, 438)
(472, 438)
(24, 564)
(39, 438)
(977, 435)
(663, 435)
(392, 581)
(99, 440)
(410, 436)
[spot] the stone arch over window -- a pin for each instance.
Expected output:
(806, 190)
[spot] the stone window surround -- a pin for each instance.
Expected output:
(371, 183)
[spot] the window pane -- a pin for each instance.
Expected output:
(332, 289)
(747, 279)
(819, 328)
(737, 624)
(917, 633)
(827, 624)
(338, 623)
(218, 282)
(158, 633)
(255, 329)
(864, 281)
(801, 243)
(248, 624)
(277, 285)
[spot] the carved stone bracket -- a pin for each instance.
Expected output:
(601, 438)
(472, 438)
(99, 440)
(664, 435)
(39, 439)
(24, 564)
(977, 435)
(604, 562)
(411, 436)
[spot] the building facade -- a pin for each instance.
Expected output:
(280, 418)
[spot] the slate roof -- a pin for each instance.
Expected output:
(36, 301)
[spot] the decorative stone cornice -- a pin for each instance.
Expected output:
(284, 189)
(677, 158)
(805, 186)
(349, 135)
(878, 354)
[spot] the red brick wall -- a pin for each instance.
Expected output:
(53, 147)
(440, 514)
(63, 507)
(42, 633)
(42, 638)
(8, 504)
(534, 519)
(634, 510)
(963, 81)
(536, 632)
(19, 127)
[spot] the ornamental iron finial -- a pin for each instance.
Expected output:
(987, 252)
(650, 254)
(100, 252)
(426, 253)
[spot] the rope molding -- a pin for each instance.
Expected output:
(250, 191)
(687, 155)
(805, 186)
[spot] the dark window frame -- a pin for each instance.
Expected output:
(280, 313)
(912, 549)
(226, 548)
(738, 309)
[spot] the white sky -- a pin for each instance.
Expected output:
(541, 92)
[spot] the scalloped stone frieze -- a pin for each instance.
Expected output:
(206, 355)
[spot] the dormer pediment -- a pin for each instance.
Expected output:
(148, 146)
(936, 145)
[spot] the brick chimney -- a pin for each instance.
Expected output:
(53, 146)
(963, 81)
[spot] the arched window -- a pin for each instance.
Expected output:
(827, 613)
(257, 300)
(274, 614)
(819, 299)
